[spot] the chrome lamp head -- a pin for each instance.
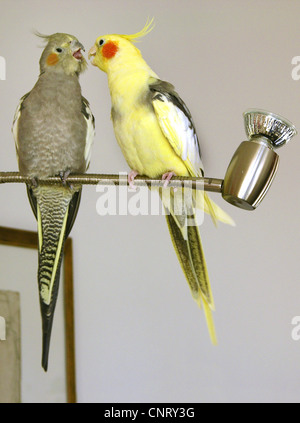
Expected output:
(254, 164)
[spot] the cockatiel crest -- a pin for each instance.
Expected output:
(112, 46)
(62, 54)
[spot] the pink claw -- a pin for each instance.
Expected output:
(167, 177)
(132, 174)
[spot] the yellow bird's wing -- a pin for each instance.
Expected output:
(177, 125)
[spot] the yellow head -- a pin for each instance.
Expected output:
(110, 50)
(62, 54)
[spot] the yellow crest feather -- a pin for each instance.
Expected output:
(135, 37)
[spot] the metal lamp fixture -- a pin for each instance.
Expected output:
(254, 164)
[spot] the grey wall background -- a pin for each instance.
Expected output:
(139, 335)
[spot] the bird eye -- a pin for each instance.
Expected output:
(59, 50)
(101, 42)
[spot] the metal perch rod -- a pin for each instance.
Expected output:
(246, 181)
(208, 184)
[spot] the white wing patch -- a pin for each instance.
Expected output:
(15, 125)
(179, 130)
(90, 132)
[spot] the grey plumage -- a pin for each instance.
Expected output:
(52, 110)
(54, 130)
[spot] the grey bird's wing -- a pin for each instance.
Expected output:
(90, 134)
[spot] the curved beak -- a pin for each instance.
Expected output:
(76, 48)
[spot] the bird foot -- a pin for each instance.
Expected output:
(131, 175)
(167, 177)
(64, 176)
(34, 182)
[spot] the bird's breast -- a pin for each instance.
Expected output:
(52, 131)
(142, 142)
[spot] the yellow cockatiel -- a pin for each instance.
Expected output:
(155, 131)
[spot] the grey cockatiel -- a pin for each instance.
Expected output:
(53, 130)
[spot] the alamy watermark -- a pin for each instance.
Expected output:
(296, 329)
(183, 201)
(2, 329)
(296, 69)
(2, 69)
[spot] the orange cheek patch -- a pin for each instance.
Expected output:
(52, 59)
(109, 49)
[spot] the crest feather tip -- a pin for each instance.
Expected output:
(38, 34)
(147, 28)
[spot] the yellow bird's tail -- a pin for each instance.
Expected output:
(203, 202)
(187, 244)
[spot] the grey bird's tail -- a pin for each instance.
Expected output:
(55, 208)
(47, 311)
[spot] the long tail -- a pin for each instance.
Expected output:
(53, 206)
(203, 202)
(186, 239)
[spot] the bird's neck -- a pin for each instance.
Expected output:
(59, 81)
(128, 83)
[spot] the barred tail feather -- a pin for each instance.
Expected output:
(52, 215)
(47, 314)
